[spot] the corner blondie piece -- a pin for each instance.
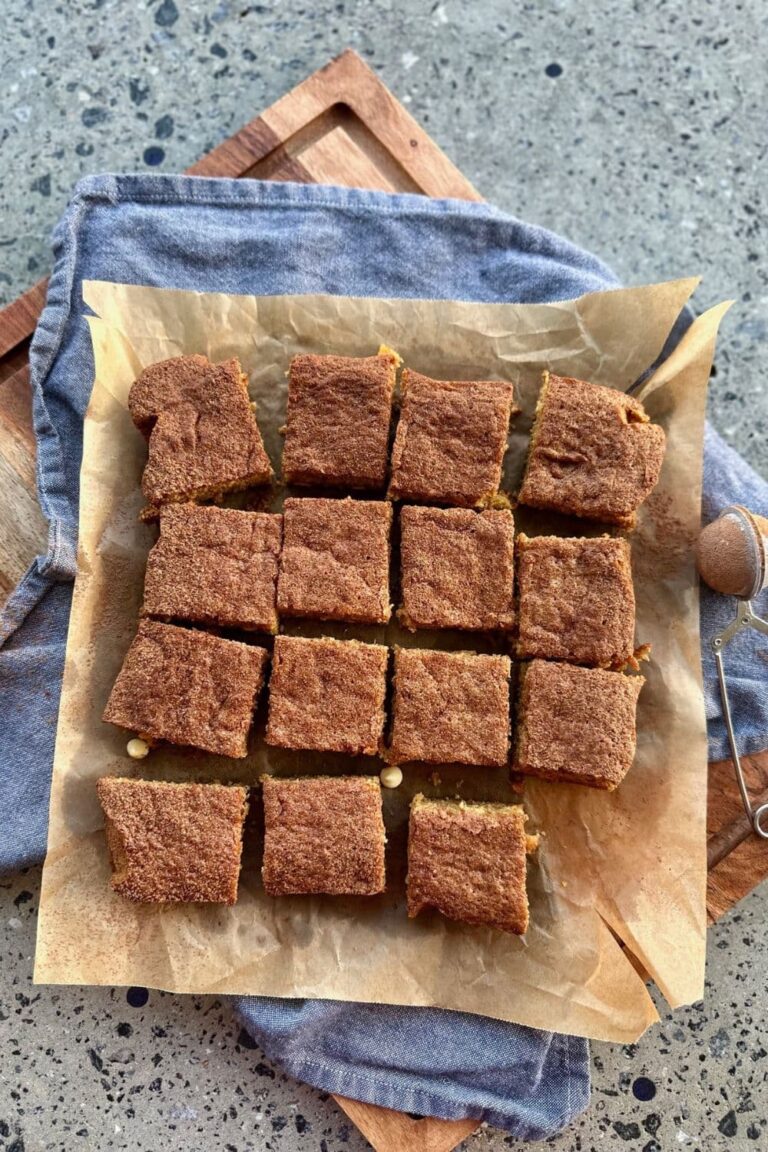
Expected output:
(174, 843)
(577, 601)
(450, 441)
(323, 835)
(457, 568)
(469, 861)
(337, 427)
(188, 687)
(215, 566)
(594, 452)
(450, 708)
(335, 560)
(327, 695)
(202, 432)
(576, 724)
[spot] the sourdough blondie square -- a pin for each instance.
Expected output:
(335, 560)
(594, 452)
(450, 708)
(576, 724)
(450, 440)
(215, 566)
(457, 568)
(201, 428)
(174, 843)
(337, 427)
(189, 688)
(323, 835)
(327, 695)
(576, 600)
(469, 862)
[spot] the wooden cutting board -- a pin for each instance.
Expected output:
(340, 126)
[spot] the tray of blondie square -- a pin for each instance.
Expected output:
(449, 647)
(343, 126)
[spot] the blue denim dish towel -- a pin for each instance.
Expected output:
(254, 238)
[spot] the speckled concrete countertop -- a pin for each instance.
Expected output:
(636, 129)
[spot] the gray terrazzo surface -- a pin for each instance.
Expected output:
(638, 130)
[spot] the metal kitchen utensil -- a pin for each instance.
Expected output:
(733, 559)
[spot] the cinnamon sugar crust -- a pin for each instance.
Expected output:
(187, 687)
(594, 452)
(202, 431)
(450, 440)
(457, 568)
(174, 843)
(577, 724)
(469, 862)
(215, 566)
(337, 426)
(323, 835)
(576, 600)
(335, 560)
(327, 695)
(450, 708)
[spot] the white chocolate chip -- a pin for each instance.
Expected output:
(391, 777)
(137, 749)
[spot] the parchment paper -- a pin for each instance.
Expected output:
(623, 868)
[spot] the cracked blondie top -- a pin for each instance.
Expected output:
(337, 426)
(324, 835)
(594, 452)
(201, 428)
(457, 568)
(215, 566)
(469, 862)
(174, 843)
(576, 724)
(327, 695)
(335, 560)
(576, 600)
(188, 687)
(450, 440)
(450, 708)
